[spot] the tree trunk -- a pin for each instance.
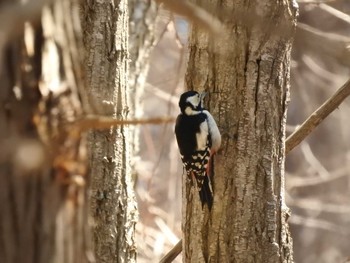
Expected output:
(42, 168)
(113, 205)
(142, 23)
(246, 72)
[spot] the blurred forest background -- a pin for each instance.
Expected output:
(317, 171)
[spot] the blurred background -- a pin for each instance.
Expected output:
(317, 171)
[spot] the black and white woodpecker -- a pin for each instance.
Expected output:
(198, 138)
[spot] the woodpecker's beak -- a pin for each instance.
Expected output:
(203, 94)
(201, 97)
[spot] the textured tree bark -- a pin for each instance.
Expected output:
(113, 205)
(246, 72)
(42, 168)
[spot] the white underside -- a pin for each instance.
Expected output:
(213, 131)
(202, 136)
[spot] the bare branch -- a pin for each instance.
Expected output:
(335, 12)
(313, 161)
(160, 36)
(173, 253)
(315, 1)
(319, 206)
(194, 13)
(317, 117)
(320, 35)
(316, 181)
(163, 95)
(334, 45)
(102, 123)
(317, 69)
(176, 33)
(166, 230)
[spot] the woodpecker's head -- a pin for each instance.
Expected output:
(191, 102)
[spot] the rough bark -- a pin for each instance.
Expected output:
(113, 205)
(142, 21)
(246, 71)
(42, 169)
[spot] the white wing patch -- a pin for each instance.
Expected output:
(202, 136)
(194, 100)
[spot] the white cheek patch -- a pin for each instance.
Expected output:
(202, 136)
(194, 100)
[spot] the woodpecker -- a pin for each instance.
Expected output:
(198, 138)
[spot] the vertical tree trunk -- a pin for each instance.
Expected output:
(43, 214)
(113, 204)
(246, 72)
(142, 23)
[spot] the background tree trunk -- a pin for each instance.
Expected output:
(113, 204)
(42, 168)
(142, 21)
(246, 72)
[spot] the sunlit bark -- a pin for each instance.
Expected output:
(246, 71)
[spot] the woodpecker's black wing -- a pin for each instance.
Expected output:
(186, 129)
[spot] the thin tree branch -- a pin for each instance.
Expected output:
(173, 253)
(331, 44)
(317, 117)
(323, 36)
(319, 206)
(319, 71)
(335, 12)
(315, 164)
(317, 181)
(102, 123)
(314, 1)
(160, 93)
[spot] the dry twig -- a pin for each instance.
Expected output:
(173, 253)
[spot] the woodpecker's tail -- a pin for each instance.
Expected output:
(205, 191)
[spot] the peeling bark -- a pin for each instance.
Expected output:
(246, 72)
(113, 205)
(42, 169)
